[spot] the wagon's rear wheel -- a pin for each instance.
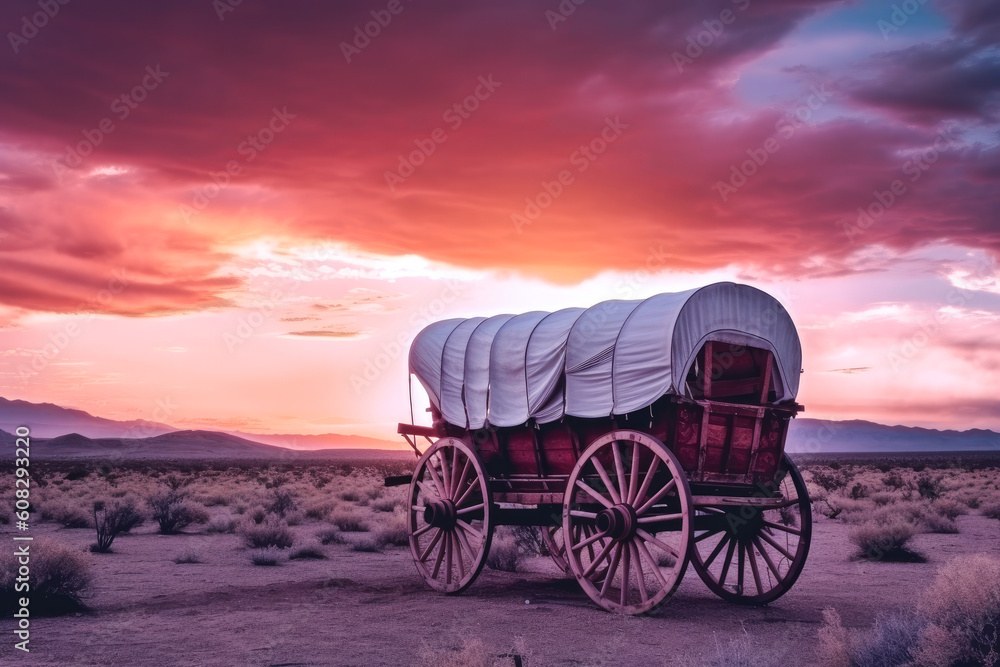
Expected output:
(750, 555)
(552, 536)
(627, 522)
(449, 518)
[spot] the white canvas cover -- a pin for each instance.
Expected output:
(612, 358)
(477, 369)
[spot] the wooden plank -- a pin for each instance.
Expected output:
(413, 429)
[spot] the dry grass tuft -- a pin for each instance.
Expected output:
(58, 578)
(886, 540)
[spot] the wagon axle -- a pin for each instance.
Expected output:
(441, 514)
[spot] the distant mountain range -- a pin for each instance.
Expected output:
(47, 420)
(64, 432)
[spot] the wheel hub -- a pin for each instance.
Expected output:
(618, 522)
(441, 514)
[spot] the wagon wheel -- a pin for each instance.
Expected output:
(552, 537)
(449, 520)
(627, 515)
(750, 555)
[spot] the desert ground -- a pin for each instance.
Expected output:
(346, 591)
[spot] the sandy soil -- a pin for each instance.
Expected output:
(372, 609)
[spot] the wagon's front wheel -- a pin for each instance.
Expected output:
(449, 519)
(627, 522)
(752, 555)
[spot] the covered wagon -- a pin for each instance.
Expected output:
(638, 435)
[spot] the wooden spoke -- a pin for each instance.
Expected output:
(652, 540)
(626, 561)
(460, 536)
(640, 495)
(615, 498)
(640, 576)
(739, 569)
(753, 568)
(418, 508)
(728, 562)
(787, 529)
(667, 488)
(784, 552)
(660, 517)
(439, 559)
(471, 508)
(594, 494)
(767, 559)
(441, 488)
(623, 489)
(587, 542)
(458, 553)
(633, 480)
(580, 514)
(448, 542)
(469, 528)
(601, 555)
(612, 569)
(715, 552)
(428, 493)
(655, 568)
(706, 535)
(472, 487)
(421, 531)
(457, 486)
(430, 547)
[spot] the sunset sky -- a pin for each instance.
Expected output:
(237, 215)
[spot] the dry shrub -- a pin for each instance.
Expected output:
(281, 502)
(949, 508)
(112, 519)
(272, 532)
(266, 557)
(68, 515)
(887, 540)
(891, 641)
(504, 554)
(320, 509)
(172, 511)
(385, 504)
(59, 576)
(833, 650)
(938, 523)
(349, 522)
(962, 607)
(188, 557)
(991, 510)
(221, 525)
(367, 544)
(330, 535)
(393, 532)
(883, 498)
(307, 551)
(472, 654)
